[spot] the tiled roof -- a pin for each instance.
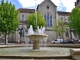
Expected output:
(24, 10)
(63, 13)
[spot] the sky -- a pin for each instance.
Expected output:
(62, 5)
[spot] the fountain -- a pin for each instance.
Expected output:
(39, 34)
(36, 36)
(37, 51)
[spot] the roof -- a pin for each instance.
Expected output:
(25, 10)
(63, 13)
(46, 0)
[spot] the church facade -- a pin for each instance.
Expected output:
(49, 12)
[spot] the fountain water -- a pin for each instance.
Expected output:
(36, 36)
(30, 30)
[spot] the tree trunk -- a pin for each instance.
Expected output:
(70, 34)
(56, 35)
(63, 37)
(79, 37)
(5, 38)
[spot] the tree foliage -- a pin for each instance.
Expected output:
(59, 27)
(31, 19)
(8, 18)
(75, 20)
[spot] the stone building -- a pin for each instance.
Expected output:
(49, 12)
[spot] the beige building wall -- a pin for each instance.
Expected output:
(51, 35)
(64, 18)
(51, 11)
(25, 16)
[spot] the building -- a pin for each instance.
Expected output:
(49, 11)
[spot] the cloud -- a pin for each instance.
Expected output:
(30, 3)
(68, 4)
(61, 7)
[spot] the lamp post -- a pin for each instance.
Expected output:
(36, 12)
(20, 33)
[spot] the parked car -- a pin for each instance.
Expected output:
(57, 41)
(77, 42)
(69, 41)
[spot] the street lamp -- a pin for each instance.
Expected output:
(20, 32)
(36, 12)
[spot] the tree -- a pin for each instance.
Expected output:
(59, 27)
(75, 20)
(8, 18)
(31, 19)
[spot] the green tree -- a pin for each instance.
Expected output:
(8, 18)
(75, 20)
(59, 27)
(31, 19)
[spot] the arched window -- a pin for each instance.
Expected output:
(45, 17)
(22, 17)
(61, 18)
(67, 34)
(21, 32)
(48, 19)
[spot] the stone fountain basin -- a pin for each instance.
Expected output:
(28, 51)
(36, 36)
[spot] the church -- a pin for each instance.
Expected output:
(49, 12)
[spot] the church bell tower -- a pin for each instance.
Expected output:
(77, 3)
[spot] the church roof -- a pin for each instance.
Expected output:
(63, 13)
(25, 10)
(49, 1)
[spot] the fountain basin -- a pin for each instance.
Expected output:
(36, 36)
(36, 39)
(28, 51)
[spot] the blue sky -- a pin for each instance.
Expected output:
(15, 2)
(63, 5)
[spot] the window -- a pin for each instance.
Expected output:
(22, 32)
(61, 18)
(67, 34)
(47, 7)
(22, 17)
(48, 19)
(45, 17)
(55, 40)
